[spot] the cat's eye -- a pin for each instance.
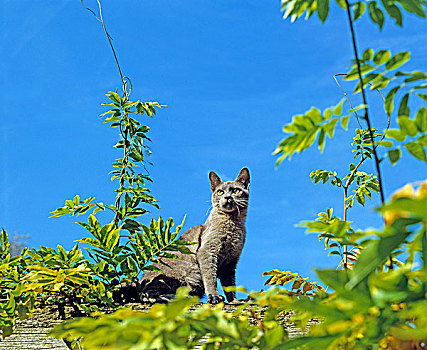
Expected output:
(220, 193)
(236, 191)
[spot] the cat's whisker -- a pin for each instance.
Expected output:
(208, 211)
(241, 202)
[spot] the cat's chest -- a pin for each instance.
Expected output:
(227, 237)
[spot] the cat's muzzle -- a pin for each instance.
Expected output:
(227, 204)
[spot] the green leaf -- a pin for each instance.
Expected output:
(354, 73)
(403, 107)
(360, 198)
(69, 203)
(381, 57)
(327, 114)
(344, 122)
(414, 6)
(415, 76)
(407, 126)
(274, 336)
(359, 10)
(113, 96)
(113, 239)
(368, 54)
(396, 134)
(338, 107)
(76, 200)
(322, 9)
(423, 96)
(424, 254)
(394, 155)
(330, 127)
(313, 342)
(416, 150)
(314, 117)
(422, 140)
(393, 11)
(415, 207)
(376, 14)
(376, 253)
(380, 82)
(388, 105)
(386, 143)
(321, 140)
(418, 87)
(4, 246)
(337, 279)
(421, 119)
(397, 60)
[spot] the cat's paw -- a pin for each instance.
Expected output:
(215, 299)
(235, 301)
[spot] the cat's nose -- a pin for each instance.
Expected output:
(229, 199)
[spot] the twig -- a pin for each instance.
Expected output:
(109, 40)
(359, 164)
(348, 100)
(359, 72)
(123, 128)
(368, 122)
(342, 90)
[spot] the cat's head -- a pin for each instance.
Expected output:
(230, 196)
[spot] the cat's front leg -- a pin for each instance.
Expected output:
(227, 276)
(207, 259)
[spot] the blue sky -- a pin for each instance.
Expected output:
(232, 73)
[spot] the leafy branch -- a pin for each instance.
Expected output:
(305, 128)
(300, 286)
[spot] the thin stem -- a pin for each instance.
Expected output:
(377, 161)
(348, 182)
(100, 19)
(345, 219)
(345, 95)
(122, 177)
(351, 106)
(346, 186)
(124, 133)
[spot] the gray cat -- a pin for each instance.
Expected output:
(219, 243)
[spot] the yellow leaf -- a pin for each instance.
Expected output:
(422, 190)
(338, 327)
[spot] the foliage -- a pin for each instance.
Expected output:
(376, 71)
(123, 248)
(370, 305)
(13, 303)
(335, 232)
(305, 128)
(375, 295)
(300, 287)
(294, 9)
(112, 260)
(171, 326)
(119, 251)
(373, 305)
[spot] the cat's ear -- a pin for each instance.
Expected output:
(244, 177)
(215, 180)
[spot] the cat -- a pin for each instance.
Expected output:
(218, 245)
